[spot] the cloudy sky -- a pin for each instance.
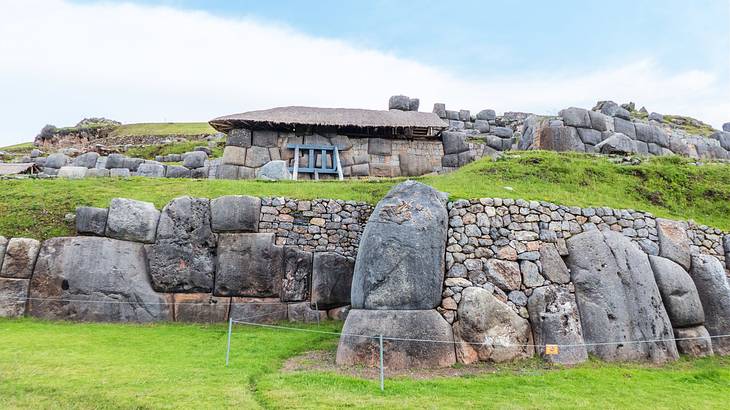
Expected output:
(149, 61)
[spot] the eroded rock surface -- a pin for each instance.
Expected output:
(679, 293)
(712, 285)
(555, 320)
(248, 264)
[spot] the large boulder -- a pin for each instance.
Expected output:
(617, 143)
(239, 137)
(20, 258)
(555, 320)
(359, 344)
(200, 308)
(248, 264)
(621, 309)
(694, 341)
(91, 221)
(576, 117)
(72, 172)
(674, 243)
(131, 220)
(331, 280)
(557, 138)
(489, 330)
(95, 279)
(297, 274)
(151, 170)
(13, 294)
(257, 156)
(400, 261)
(258, 310)
(679, 293)
(235, 213)
(182, 257)
(302, 312)
(709, 276)
(274, 171)
(454, 142)
(195, 159)
(399, 102)
(3, 246)
(57, 160)
(87, 160)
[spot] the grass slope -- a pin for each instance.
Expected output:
(110, 366)
(163, 128)
(150, 151)
(668, 187)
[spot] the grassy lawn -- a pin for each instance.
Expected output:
(668, 187)
(68, 365)
(164, 128)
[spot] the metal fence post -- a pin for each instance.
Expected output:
(228, 346)
(382, 384)
(316, 307)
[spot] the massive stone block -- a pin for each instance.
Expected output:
(235, 213)
(558, 139)
(95, 279)
(297, 274)
(400, 262)
(91, 221)
(397, 354)
(234, 155)
(195, 159)
(712, 285)
(200, 308)
(257, 156)
(248, 264)
(694, 341)
(303, 312)
(258, 310)
(555, 320)
(331, 280)
(618, 144)
(679, 293)
(489, 330)
(239, 137)
(57, 160)
(13, 294)
(553, 267)
(618, 299)
(379, 146)
(182, 257)
(20, 257)
(576, 117)
(87, 160)
(454, 142)
(151, 170)
(132, 220)
(673, 242)
(265, 138)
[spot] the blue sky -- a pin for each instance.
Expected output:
(193, 60)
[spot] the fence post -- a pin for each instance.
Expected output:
(382, 384)
(228, 346)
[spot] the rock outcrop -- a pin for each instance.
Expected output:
(555, 320)
(709, 276)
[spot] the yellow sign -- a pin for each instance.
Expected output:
(552, 349)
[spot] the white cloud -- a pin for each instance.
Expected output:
(60, 62)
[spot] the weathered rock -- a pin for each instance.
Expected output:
(302, 312)
(503, 274)
(380, 146)
(558, 139)
(257, 156)
(555, 320)
(679, 293)
(400, 262)
(20, 257)
(173, 171)
(72, 172)
(265, 138)
(723, 137)
(3, 246)
(57, 160)
(651, 134)
(119, 173)
(399, 102)
(97, 173)
(70, 272)
(235, 213)
(413, 104)
(454, 142)
(576, 117)
(132, 220)
(397, 354)
(600, 121)
(439, 109)
(151, 170)
(553, 267)
(274, 171)
(625, 127)
(694, 341)
(618, 299)
(13, 294)
(87, 160)
(655, 116)
(338, 313)
(182, 257)
(481, 125)
(200, 173)
(502, 132)
(487, 115)
(489, 330)
(712, 286)
(617, 143)
(200, 308)
(233, 155)
(227, 171)
(414, 165)
(673, 242)
(590, 136)
(331, 279)
(195, 159)
(239, 137)
(255, 310)
(297, 274)
(132, 164)
(726, 127)
(248, 264)
(91, 221)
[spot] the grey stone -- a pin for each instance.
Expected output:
(119, 173)
(257, 156)
(487, 115)
(50, 171)
(517, 297)
(195, 159)
(57, 160)
(98, 173)
(607, 107)
(464, 115)
(623, 113)
(618, 298)
(555, 320)
(3, 246)
(379, 146)
(200, 308)
(235, 213)
(274, 171)
(70, 272)
(398, 354)
(452, 115)
(360, 170)
(617, 143)
(151, 170)
(20, 258)
(35, 153)
(331, 279)
(450, 160)
(131, 220)
(600, 121)
(576, 117)
(114, 161)
(233, 155)
(712, 285)
(265, 138)
(132, 164)
(248, 264)
(489, 330)
(655, 116)
(530, 274)
(723, 137)
(454, 142)
(182, 257)
(13, 297)
(694, 341)
(413, 104)
(625, 127)
(399, 102)
(414, 165)
(503, 274)
(481, 125)
(72, 172)
(726, 127)
(502, 132)
(560, 139)
(648, 246)
(679, 293)
(651, 134)
(342, 142)
(91, 221)
(297, 274)
(674, 243)
(302, 312)
(239, 137)
(174, 171)
(589, 136)
(227, 171)
(440, 110)
(87, 160)
(400, 261)
(338, 313)
(258, 310)
(553, 267)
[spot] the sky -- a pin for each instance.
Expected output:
(178, 60)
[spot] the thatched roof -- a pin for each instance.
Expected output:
(336, 117)
(15, 169)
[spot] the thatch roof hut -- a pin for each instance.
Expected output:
(349, 121)
(18, 168)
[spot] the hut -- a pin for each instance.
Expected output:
(18, 169)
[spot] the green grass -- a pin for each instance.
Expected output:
(150, 151)
(668, 187)
(110, 366)
(689, 125)
(22, 148)
(163, 128)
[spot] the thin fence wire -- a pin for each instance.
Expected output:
(124, 302)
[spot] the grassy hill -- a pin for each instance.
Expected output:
(669, 187)
(163, 128)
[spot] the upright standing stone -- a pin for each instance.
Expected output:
(555, 320)
(331, 280)
(673, 242)
(3, 245)
(400, 263)
(20, 258)
(679, 293)
(248, 264)
(132, 220)
(297, 274)
(13, 297)
(712, 285)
